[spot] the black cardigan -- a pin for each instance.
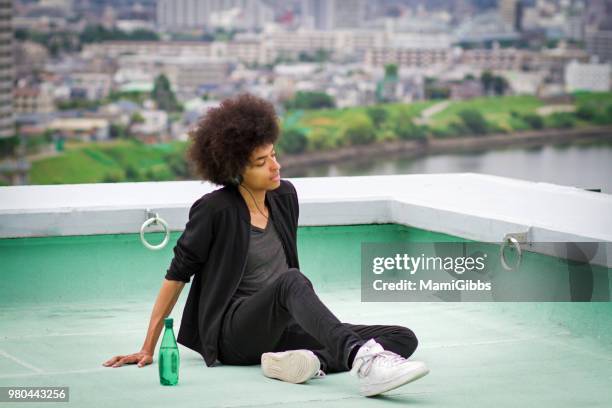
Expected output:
(213, 249)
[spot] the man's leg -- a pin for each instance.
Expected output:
(257, 323)
(381, 364)
(398, 339)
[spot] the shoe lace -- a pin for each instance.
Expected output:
(319, 374)
(363, 364)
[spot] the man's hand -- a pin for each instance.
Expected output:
(168, 294)
(142, 358)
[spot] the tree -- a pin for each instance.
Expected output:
(487, 79)
(433, 91)
(320, 139)
(534, 120)
(391, 71)
(608, 114)
(586, 112)
(493, 84)
(457, 128)
(359, 131)
(178, 166)
(132, 173)
(405, 129)
(136, 118)
(293, 141)
(377, 114)
(117, 131)
(603, 116)
(562, 120)
(320, 55)
(220, 34)
(163, 95)
(8, 145)
(114, 176)
(474, 121)
(500, 84)
(310, 100)
(98, 33)
(149, 174)
(134, 96)
(77, 103)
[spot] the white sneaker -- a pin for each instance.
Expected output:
(294, 366)
(380, 370)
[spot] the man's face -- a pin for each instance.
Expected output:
(262, 172)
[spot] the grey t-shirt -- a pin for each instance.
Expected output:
(265, 260)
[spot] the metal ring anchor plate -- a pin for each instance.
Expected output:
(515, 243)
(154, 219)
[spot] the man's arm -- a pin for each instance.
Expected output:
(166, 299)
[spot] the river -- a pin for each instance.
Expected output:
(587, 166)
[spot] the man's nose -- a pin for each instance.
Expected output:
(276, 164)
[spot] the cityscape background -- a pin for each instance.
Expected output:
(108, 90)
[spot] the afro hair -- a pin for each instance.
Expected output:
(226, 136)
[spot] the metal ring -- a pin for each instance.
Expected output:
(517, 246)
(155, 220)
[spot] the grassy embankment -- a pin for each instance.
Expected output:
(128, 160)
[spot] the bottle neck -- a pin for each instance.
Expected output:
(168, 340)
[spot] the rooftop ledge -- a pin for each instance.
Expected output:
(472, 206)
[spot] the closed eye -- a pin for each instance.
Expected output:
(264, 162)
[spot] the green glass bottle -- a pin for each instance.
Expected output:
(168, 356)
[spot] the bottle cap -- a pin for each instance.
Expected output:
(168, 321)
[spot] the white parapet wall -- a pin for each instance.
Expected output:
(473, 206)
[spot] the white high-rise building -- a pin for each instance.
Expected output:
(599, 43)
(510, 11)
(6, 69)
(182, 14)
(587, 77)
(333, 14)
(317, 14)
(204, 14)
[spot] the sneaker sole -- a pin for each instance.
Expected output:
(295, 366)
(409, 377)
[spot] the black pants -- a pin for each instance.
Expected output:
(288, 315)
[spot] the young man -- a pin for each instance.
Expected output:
(249, 303)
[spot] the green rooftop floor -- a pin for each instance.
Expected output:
(68, 304)
(479, 356)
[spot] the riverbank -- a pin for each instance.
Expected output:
(413, 148)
